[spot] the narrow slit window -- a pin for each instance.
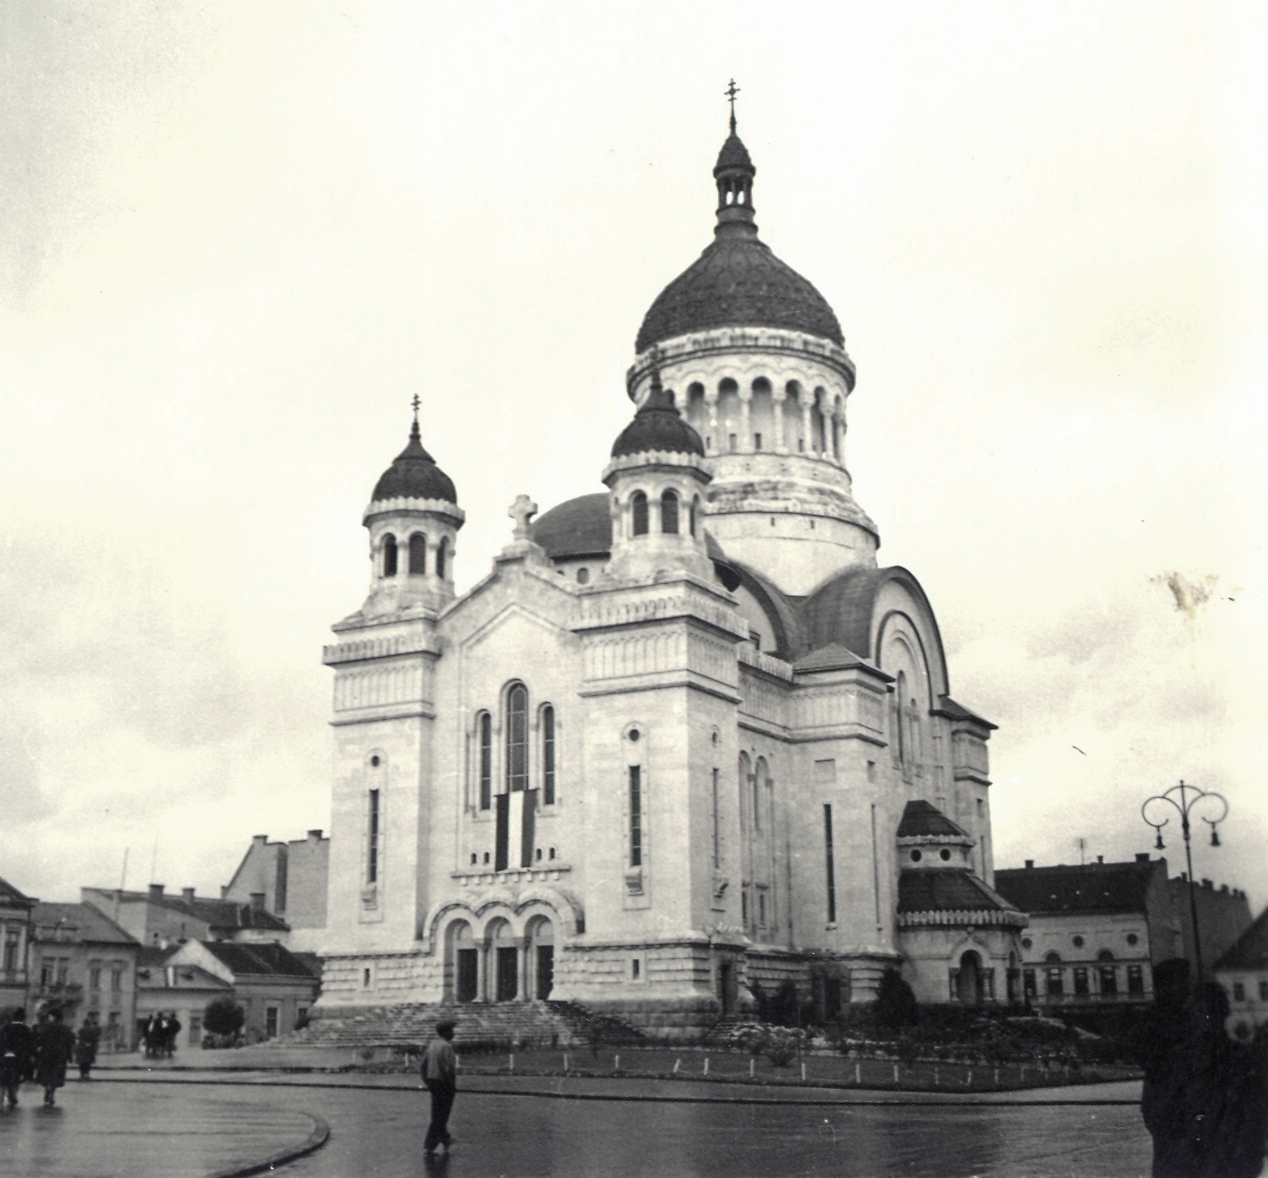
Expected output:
(485, 729)
(636, 816)
(717, 823)
(442, 557)
(548, 755)
(372, 838)
(827, 849)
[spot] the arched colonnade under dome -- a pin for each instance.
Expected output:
(499, 955)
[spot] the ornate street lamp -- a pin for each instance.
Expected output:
(1184, 798)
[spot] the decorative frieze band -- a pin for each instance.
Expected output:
(961, 918)
(365, 649)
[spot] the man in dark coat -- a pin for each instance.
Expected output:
(54, 1049)
(1158, 1044)
(17, 1046)
(86, 1042)
(440, 1073)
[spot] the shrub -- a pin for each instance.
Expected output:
(895, 1001)
(223, 1017)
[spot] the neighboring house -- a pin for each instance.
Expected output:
(1097, 929)
(1223, 916)
(15, 940)
(155, 918)
(291, 876)
(180, 989)
(82, 961)
(271, 984)
(1243, 972)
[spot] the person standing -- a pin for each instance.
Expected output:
(1157, 1044)
(86, 1042)
(171, 1030)
(440, 1073)
(54, 1049)
(17, 1045)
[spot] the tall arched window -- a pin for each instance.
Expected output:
(417, 554)
(484, 739)
(548, 755)
(900, 696)
(638, 512)
(695, 516)
(669, 513)
(389, 555)
(759, 778)
(517, 738)
(442, 556)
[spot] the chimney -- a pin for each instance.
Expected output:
(1142, 856)
(1030, 863)
(1224, 888)
(314, 836)
(1100, 858)
(156, 891)
(187, 894)
(1206, 883)
(257, 901)
(259, 839)
(224, 891)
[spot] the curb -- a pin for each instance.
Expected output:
(316, 1139)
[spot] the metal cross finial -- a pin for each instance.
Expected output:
(416, 403)
(731, 91)
(521, 511)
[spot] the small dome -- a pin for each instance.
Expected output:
(733, 155)
(414, 475)
(657, 426)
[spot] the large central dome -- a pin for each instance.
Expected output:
(737, 281)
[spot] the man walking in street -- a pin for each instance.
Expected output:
(440, 1074)
(17, 1051)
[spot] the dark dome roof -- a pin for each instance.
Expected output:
(733, 155)
(577, 527)
(738, 282)
(657, 426)
(414, 475)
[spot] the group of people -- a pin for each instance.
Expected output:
(1205, 1096)
(43, 1053)
(160, 1033)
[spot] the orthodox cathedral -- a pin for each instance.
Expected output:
(687, 738)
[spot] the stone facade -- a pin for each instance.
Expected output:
(661, 756)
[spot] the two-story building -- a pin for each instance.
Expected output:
(1243, 972)
(15, 938)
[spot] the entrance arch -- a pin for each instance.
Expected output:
(968, 982)
(539, 947)
(502, 950)
(462, 963)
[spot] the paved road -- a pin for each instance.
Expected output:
(624, 1128)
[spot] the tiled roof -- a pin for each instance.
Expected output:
(946, 890)
(1250, 951)
(9, 894)
(219, 914)
(657, 426)
(921, 818)
(266, 958)
(414, 475)
(1090, 887)
(153, 957)
(76, 922)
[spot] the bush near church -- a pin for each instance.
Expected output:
(223, 1020)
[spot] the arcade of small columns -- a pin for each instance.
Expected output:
(500, 958)
(762, 415)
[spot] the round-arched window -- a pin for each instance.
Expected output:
(669, 513)
(389, 555)
(638, 513)
(417, 554)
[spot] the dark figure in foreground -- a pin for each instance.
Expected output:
(17, 1049)
(1157, 1044)
(54, 1049)
(86, 1042)
(440, 1074)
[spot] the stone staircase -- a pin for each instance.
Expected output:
(479, 1026)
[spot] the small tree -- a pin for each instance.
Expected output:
(895, 1001)
(224, 1017)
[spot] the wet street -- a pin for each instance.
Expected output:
(521, 1127)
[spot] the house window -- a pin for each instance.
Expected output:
(372, 837)
(638, 512)
(517, 738)
(1109, 979)
(484, 727)
(636, 816)
(1080, 980)
(389, 555)
(1239, 992)
(831, 868)
(548, 755)
(1135, 980)
(270, 1022)
(116, 975)
(1056, 982)
(417, 554)
(1029, 986)
(63, 970)
(195, 1029)
(669, 513)
(94, 975)
(48, 968)
(11, 951)
(1263, 991)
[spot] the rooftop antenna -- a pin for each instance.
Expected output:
(123, 883)
(154, 860)
(1082, 848)
(731, 91)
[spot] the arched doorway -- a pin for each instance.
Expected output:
(503, 954)
(540, 948)
(462, 963)
(968, 982)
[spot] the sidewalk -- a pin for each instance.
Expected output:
(102, 1128)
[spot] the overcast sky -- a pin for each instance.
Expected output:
(236, 239)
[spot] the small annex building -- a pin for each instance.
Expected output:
(688, 738)
(182, 990)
